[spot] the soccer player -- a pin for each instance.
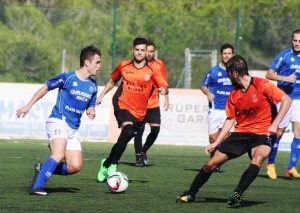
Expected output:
(153, 111)
(285, 69)
(77, 93)
(130, 100)
(216, 86)
(249, 109)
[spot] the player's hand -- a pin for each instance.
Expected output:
(211, 148)
(99, 100)
(91, 113)
(210, 97)
(163, 90)
(291, 78)
(20, 113)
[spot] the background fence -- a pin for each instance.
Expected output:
(33, 40)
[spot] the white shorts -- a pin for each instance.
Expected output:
(216, 119)
(57, 128)
(292, 115)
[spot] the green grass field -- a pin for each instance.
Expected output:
(151, 189)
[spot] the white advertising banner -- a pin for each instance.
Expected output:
(185, 123)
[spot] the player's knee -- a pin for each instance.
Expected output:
(126, 135)
(155, 130)
(210, 167)
(74, 167)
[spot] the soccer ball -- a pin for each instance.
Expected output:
(117, 182)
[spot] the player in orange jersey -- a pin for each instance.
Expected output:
(249, 109)
(130, 100)
(153, 111)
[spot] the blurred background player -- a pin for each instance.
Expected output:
(153, 111)
(285, 69)
(217, 86)
(249, 109)
(77, 93)
(130, 100)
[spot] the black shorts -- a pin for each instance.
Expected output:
(153, 116)
(123, 115)
(238, 144)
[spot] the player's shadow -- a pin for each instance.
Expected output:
(245, 203)
(197, 170)
(61, 189)
(279, 177)
(133, 164)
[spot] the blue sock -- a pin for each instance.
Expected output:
(61, 169)
(272, 156)
(295, 153)
(47, 170)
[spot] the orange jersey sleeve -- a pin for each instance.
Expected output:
(136, 88)
(158, 65)
(252, 108)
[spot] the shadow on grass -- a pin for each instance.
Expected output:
(245, 203)
(61, 189)
(278, 177)
(197, 170)
(133, 164)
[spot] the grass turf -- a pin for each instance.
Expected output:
(151, 189)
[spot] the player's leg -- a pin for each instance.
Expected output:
(291, 170)
(138, 143)
(73, 156)
(57, 147)
(109, 165)
(154, 119)
(270, 164)
(57, 131)
(202, 177)
(260, 151)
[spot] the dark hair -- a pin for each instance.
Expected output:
(150, 43)
(296, 32)
(87, 53)
(239, 64)
(139, 41)
(226, 46)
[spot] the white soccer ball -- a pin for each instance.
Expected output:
(117, 182)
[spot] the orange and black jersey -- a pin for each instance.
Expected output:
(252, 108)
(160, 66)
(136, 88)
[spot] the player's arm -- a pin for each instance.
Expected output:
(284, 107)
(272, 75)
(206, 91)
(166, 103)
(37, 96)
(228, 124)
(109, 86)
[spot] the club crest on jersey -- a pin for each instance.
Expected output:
(292, 59)
(254, 98)
(75, 84)
(219, 74)
(147, 77)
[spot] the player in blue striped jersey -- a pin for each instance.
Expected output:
(77, 93)
(285, 69)
(217, 86)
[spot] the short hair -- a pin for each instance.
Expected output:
(87, 53)
(237, 63)
(296, 32)
(150, 43)
(139, 41)
(226, 46)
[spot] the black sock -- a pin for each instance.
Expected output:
(118, 149)
(200, 179)
(151, 137)
(138, 141)
(247, 178)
